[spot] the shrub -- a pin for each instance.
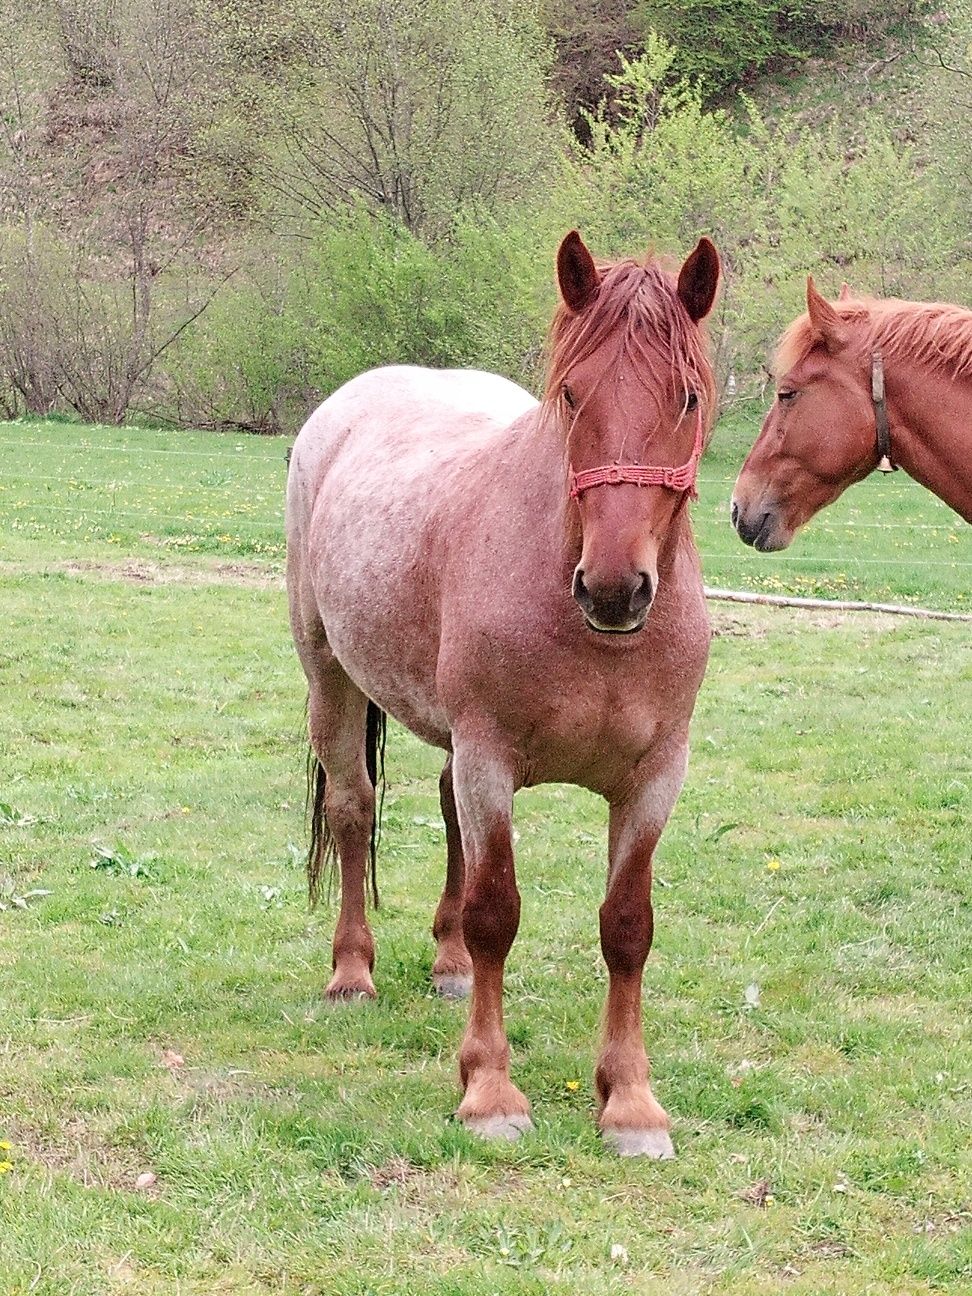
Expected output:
(373, 293)
(779, 199)
(301, 320)
(725, 43)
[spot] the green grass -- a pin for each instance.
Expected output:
(154, 726)
(98, 492)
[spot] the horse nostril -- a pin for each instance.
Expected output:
(581, 592)
(753, 532)
(643, 594)
(733, 512)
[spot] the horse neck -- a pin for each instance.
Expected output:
(931, 432)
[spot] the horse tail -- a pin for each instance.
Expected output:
(376, 733)
(322, 853)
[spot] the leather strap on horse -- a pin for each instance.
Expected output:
(885, 463)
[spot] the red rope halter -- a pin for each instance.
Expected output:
(676, 479)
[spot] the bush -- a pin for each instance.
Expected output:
(725, 43)
(242, 364)
(375, 294)
(778, 199)
(364, 292)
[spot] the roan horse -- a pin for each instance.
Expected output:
(513, 582)
(861, 384)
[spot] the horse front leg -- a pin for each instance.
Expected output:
(492, 1105)
(452, 970)
(631, 1120)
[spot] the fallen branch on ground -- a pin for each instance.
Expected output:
(833, 605)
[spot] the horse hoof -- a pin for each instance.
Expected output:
(652, 1143)
(499, 1127)
(452, 985)
(347, 991)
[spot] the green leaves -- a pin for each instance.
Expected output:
(778, 193)
(119, 861)
(10, 817)
(726, 43)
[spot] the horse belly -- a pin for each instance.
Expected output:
(378, 459)
(382, 626)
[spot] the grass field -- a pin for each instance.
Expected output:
(101, 492)
(807, 999)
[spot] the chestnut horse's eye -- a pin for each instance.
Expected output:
(785, 396)
(691, 402)
(568, 396)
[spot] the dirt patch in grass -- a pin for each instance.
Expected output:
(79, 1151)
(731, 625)
(143, 571)
(420, 1195)
(745, 621)
(395, 1173)
(140, 571)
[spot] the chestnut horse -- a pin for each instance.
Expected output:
(513, 582)
(861, 384)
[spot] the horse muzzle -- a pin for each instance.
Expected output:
(760, 527)
(617, 607)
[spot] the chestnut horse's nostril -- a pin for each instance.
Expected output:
(618, 605)
(643, 594)
(733, 512)
(753, 533)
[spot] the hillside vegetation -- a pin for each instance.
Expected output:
(213, 213)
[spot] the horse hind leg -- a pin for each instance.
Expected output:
(452, 970)
(344, 816)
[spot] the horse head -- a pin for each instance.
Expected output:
(819, 435)
(631, 380)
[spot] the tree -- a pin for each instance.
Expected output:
(101, 236)
(725, 44)
(779, 200)
(588, 36)
(416, 108)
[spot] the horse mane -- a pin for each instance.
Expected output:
(935, 334)
(637, 306)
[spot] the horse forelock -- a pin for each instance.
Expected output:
(935, 334)
(637, 312)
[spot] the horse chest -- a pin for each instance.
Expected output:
(610, 719)
(582, 711)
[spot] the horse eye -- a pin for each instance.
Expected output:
(568, 396)
(691, 402)
(786, 396)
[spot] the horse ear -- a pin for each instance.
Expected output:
(698, 280)
(576, 273)
(824, 320)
